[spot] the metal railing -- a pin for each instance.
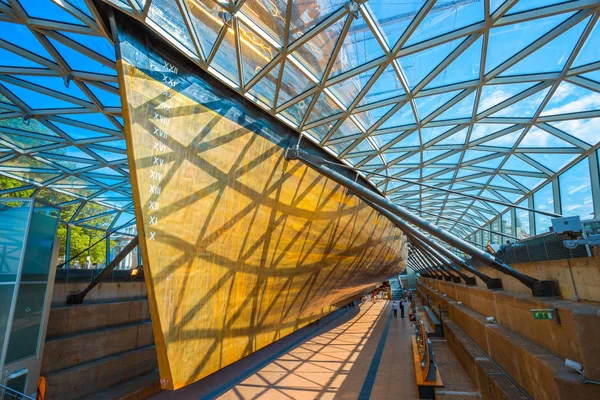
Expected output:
(428, 367)
(545, 247)
(7, 393)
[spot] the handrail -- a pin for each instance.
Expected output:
(12, 394)
(428, 367)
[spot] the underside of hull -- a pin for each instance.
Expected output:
(240, 246)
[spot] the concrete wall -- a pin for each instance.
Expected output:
(574, 337)
(101, 344)
(578, 278)
(535, 362)
(103, 292)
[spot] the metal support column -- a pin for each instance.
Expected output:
(420, 270)
(418, 253)
(433, 254)
(491, 283)
(78, 298)
(68, 247)
(595, 180)
(538, 287)
(433, 259)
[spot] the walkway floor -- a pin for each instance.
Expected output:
(366, 357)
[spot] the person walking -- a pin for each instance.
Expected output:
(402, 308)
(395, 306)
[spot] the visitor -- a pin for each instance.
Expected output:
(395, 306)
(402, 308)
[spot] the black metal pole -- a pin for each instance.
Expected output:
(418, 269)
(421, 256)
(491, 283)
(415, 267)
(431, 253)
(78, 298)
(538, 287)
(432, 259)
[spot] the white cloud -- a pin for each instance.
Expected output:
(578, 188)
(586, 103)
(584, 129)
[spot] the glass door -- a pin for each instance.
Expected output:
(28, 246)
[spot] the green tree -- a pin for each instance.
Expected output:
(81, 237)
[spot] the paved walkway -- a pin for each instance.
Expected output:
(366, 357)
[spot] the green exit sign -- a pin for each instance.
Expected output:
(542, 315)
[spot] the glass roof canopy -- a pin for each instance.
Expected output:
(60, 125)
(486, 98)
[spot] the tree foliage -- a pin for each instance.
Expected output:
(81, 237)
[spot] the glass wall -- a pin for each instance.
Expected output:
(496, 228)
(576, 191)
(543, 200)
(81, 225)
(522, 220)
(27, 319)
(14, 216)
(485, 235)
(506, 226)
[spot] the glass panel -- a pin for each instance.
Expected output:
(36, 264)
(81, 239)
(485, 235)
(13, 225)
(359, 47)
(496, 228)
(543, 200)
(522, 222)
(550, 57)
(26, 323)
(17, 384)
(506, 226)
(269, 15)
(576, 191)
(506, 41)
(117, 243)
(447, 18)
(166, 15)
(6, 298)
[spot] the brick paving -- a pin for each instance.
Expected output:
(339, 363)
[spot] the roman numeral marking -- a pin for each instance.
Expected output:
(159, 146)
(160, 133)
(158, 161)
(154, 205)
(155, 175)
(153, 220)
(169, 81)
(152, 235)
(171, 68)
(154, 189)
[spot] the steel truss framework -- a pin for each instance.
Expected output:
(486, 98)
(61, 135)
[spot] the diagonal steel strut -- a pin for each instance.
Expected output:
(538, 287)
